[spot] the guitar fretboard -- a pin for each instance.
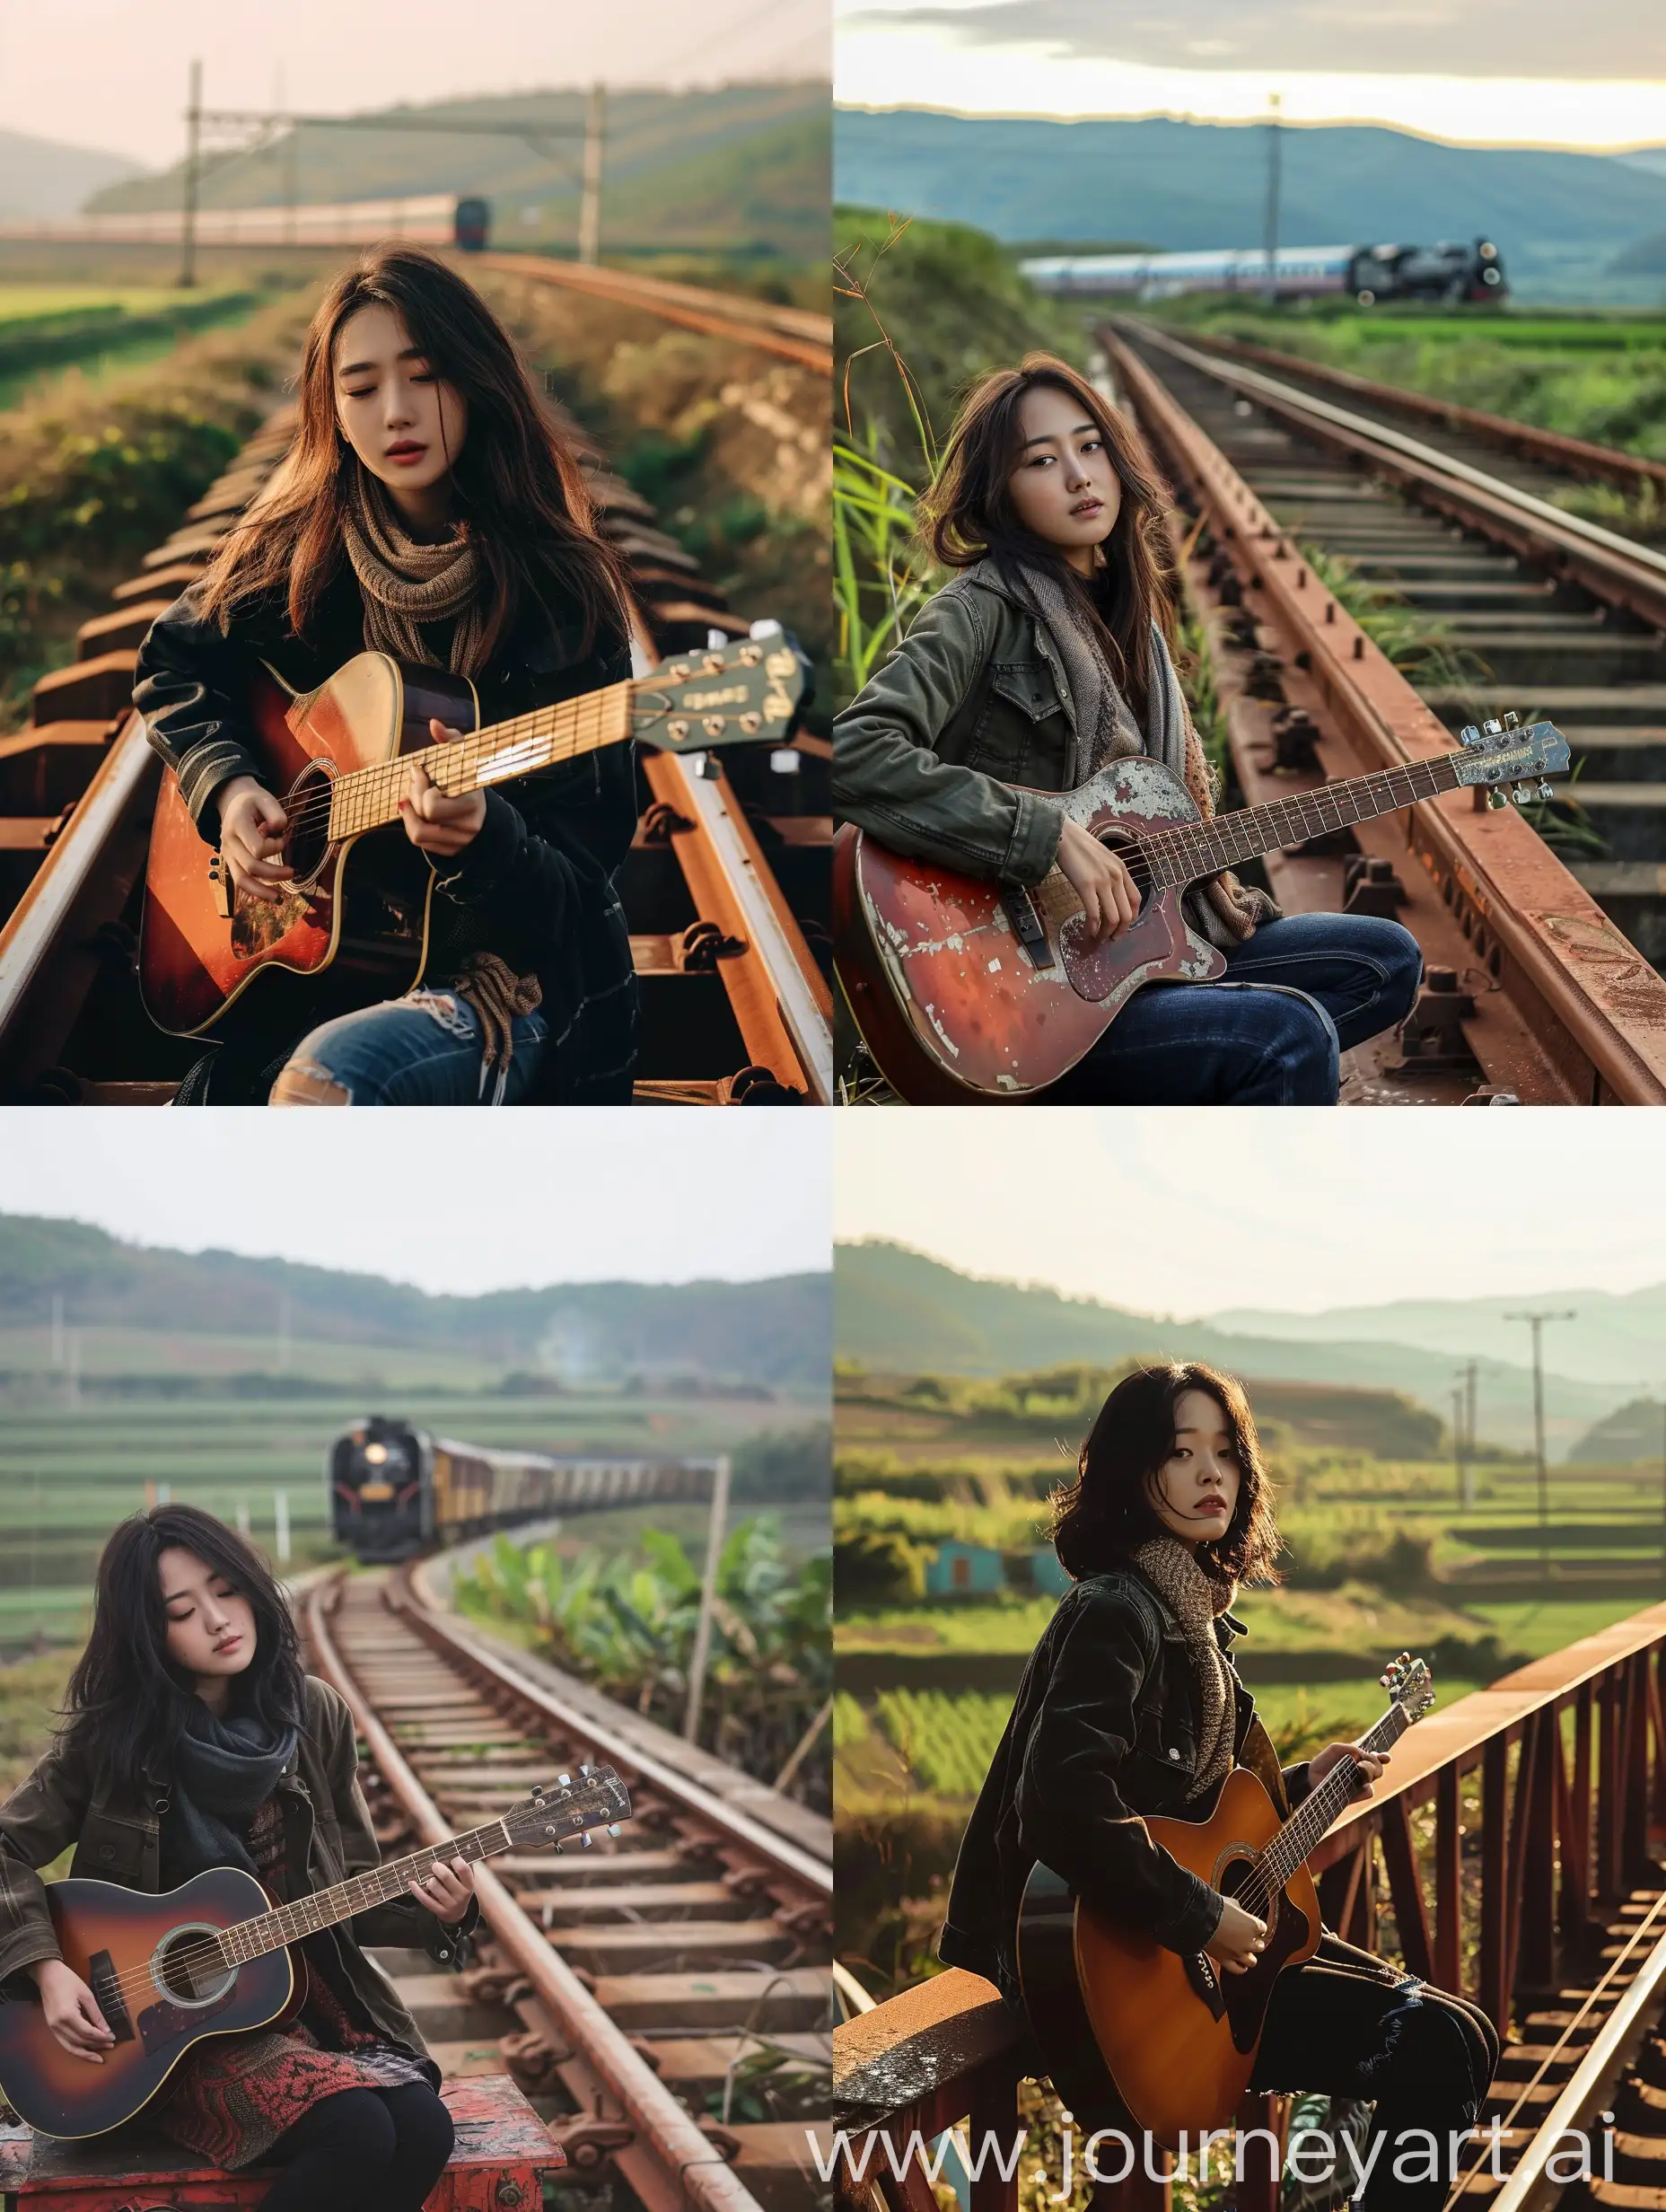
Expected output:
(287, 1923)
(1198, 848)
(1307, 1825)
(368, 797)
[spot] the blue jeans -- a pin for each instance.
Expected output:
(1298, 993)
(424, 1050)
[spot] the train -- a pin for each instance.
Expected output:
(396, 1490)
(427, 218)
(1452, 273)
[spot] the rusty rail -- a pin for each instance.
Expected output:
(691, 2166)
(790, 333)
(1577, 457)
(1594, 1006)
(1507, 1909)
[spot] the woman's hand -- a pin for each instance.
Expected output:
(72, 2011)
(1236, 1943)
(251, 838)
(433, 822)
(1371, 1765)
(447, 1890)
(1099, 880)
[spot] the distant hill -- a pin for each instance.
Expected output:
(1632, 1432)
(775, 1332)
(41, 179)
(1557, 217)
(899, 1312)
(1615, 1340)
(745, 165)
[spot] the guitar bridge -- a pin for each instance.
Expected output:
(219, 881)
(1020, 909)
(105, 1984)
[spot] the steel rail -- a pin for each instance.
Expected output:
(1618, 569)
(1591, 982)
(675, 2138)
(792, 334)
(442, 1633)
(1575, 456)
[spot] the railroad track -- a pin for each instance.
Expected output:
(790, 333)
(725, 888)
(1543, 971)
(625, 1986)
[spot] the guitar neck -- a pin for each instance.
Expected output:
(370, 798)
(1198, 848)
(271, 1931)
(1312, 1819)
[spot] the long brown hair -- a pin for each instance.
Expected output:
(1107, 1514)
(517, 483)
(968, 513)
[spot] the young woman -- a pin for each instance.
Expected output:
(192, 1740)
(1045, 657)
(429, 508)
(1131, 1704)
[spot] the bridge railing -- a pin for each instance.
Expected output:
(1508, 1825)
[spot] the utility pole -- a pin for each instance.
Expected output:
(1461, 1447)
(589, 202)
(1469, 1495)
(1663, 1487)
(708, 1595)
(1274, 151)
(187, 214)
(1536, 1322)
(283, 1332)
(57, 1329)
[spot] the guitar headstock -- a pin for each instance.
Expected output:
(1501, 753)
(1410, 1684)
(743, 693)
(593, 1797)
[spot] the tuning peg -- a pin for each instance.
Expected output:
(1469, 734)
(1495, 799)
(1546, 790)
(613, 1827)
(585, 1840)
(1511, 720)
(564, 1781)
(1525, 795)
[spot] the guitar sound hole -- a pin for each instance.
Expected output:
(307, 809)
(189, 1967)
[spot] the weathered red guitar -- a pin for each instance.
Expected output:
(972, 992)
(213, 1957)
(337, 756)
(1174, 2037)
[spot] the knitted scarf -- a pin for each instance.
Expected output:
(405, 583)
(1224, 910)
(223, 1769)
(1194, 1599)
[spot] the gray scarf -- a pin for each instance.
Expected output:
(1194, 1599)
(222, 1770)
(404, 583)
(1221, 909)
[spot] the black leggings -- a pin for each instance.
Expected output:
(385, 2147)
(1347, 2023)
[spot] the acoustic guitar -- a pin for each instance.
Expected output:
(971, 992)
(354, 919)
(1175, 2038)
(213, 1957)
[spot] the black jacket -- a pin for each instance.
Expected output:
(1104, 1730)
(535, 886)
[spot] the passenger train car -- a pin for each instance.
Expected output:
(1448, 272)
(396, 1490)
(427, 218)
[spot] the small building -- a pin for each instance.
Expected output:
(1046, 1574)
(965, 1570)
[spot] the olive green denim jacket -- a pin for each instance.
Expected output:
(973, 703)
(117, 1837)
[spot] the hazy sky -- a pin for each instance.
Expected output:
(1190, 1210)
(1518, 71)
(113, 74)
(449, 1202)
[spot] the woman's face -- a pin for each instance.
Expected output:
(405, 424)
(1195, 1488)
(1064, 485)
(211, 1624)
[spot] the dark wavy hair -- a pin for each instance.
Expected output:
(516, 481)
(968, 513)
(125, 1702)
(1105, 1513)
